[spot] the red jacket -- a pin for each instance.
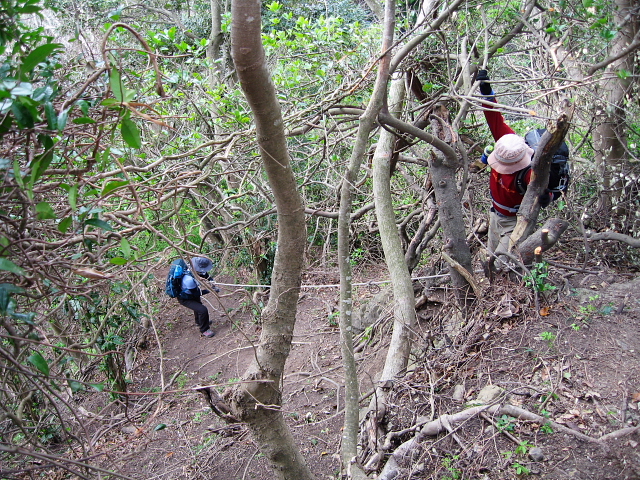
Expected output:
(504, 192)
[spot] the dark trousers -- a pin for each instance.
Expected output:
(200, 312)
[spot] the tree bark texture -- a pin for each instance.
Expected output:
(404, 301)
(443, 173)
(257, 400)
(540, 165)
(365, 126)
(545, 238)
(610, 135)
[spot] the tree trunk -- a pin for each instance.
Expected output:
(258, 398)
(443, 174)
(404, 301)
(544, 239)
(610, 135)
(541, 163)
(366, 124)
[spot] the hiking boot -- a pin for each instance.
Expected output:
(209, 333)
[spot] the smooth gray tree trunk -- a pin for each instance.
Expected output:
(404, 300)
(257, 400)
(366, 125)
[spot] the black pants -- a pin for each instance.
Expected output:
(200, 312)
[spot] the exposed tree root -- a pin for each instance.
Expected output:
(447, 423)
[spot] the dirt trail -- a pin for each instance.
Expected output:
(584, 373)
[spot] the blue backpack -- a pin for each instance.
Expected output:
(173, 287)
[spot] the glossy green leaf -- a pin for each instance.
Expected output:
(42, 163)
(110, 186)
(73, 197)
(130, 133)
(62, 119)
(74, 385)
(52, 117)
(39, 362)
(17, 174)
(160, 426)
(64, 224)
(23, 115)
(6, 289)
(44, 211)
(98, 387)
(125, 246)
(22, 89)
(116, 85)
(83, 120)
(84, 107)
(5, 125)
(38, 55)
(118, 261)
(96, 222)
(30, 9)
(9, 266)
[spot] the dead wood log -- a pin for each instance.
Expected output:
(544, 238)
(540, 165)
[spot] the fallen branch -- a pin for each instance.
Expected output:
(619, 237)
(463, 271)
(430, 429)
(623, 432)
(444, 424)
(523, 414)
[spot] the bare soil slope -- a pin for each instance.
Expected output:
(577, 364)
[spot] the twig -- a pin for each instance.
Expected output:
(488, 419)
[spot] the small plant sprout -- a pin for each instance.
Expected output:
(454, 473)
(333, 319)
(546, 428)
(549, 337)
(537, 277)
(506, 423)
(523, 448)
(520, 469)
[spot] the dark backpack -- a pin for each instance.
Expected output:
(559, 171)
(173, 287)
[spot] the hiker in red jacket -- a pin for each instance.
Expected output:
(508, 161)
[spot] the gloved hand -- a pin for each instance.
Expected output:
(483, 76)
(205, 291)
(216, 289)
(545, 199)
(485, 86)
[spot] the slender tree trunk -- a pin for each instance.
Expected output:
(257, 400)
(404, 300)
(610, 136)
(367, 123)
(443, 173)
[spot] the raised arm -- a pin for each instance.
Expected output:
(494, 118)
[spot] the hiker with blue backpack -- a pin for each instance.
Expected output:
(182, 285)
(510, 162)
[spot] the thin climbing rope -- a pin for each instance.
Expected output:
(326, 286)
